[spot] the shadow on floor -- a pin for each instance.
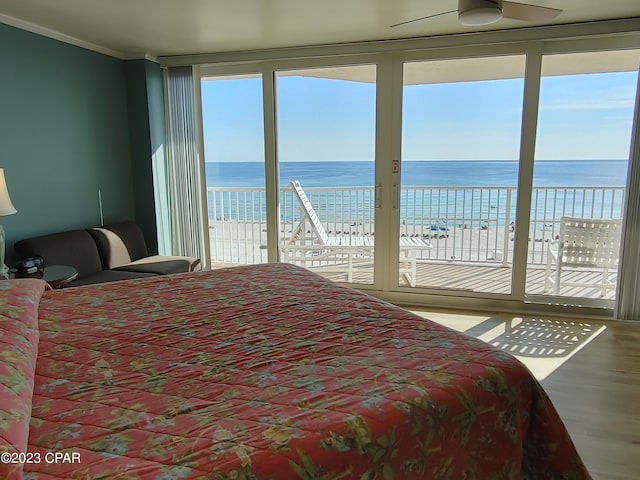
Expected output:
(537, 337)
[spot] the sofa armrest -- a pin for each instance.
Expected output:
(121, 246)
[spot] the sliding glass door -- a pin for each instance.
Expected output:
(585, 120)
(326, 150)
(461, 122)
(233, 134)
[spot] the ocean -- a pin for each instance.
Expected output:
(485, 196)
(440, 173)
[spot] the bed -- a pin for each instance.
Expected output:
(259, 372)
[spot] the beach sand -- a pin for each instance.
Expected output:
(237, 242)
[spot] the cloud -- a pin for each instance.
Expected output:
(616, 98)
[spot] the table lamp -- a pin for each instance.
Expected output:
(6, 208)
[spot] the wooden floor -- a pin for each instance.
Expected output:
(591, 371)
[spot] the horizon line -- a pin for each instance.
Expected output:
(435, 160)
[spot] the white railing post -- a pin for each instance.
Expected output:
(456, 219)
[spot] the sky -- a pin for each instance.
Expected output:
(581, 117)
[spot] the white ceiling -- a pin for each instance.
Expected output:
(134, 28)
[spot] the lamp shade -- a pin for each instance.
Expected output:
(6, 207)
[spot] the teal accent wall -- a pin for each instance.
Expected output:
(145, 100)
(64, 136)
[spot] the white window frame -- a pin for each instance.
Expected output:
(388, 56)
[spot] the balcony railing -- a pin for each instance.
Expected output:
(464, 224)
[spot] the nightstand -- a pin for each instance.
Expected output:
(55, 275)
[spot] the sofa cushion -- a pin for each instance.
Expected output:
(119, 243)
(108, 276)
(161, 265)
(75, 248)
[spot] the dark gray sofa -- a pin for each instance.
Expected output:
(103, 254)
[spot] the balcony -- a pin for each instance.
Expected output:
(471, 230)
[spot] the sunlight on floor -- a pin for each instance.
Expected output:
(542, 344)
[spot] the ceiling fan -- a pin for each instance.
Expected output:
(485, 12)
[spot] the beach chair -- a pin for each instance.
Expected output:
(340, 249)
(584, 244)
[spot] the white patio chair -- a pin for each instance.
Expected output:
(322, 246)
(586, 244)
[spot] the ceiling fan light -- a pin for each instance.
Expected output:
(480, 15)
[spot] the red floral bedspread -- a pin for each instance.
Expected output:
(271, 372)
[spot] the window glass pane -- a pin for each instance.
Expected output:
(582, 149)
(326, 151)
(460, 148)
(234, 160)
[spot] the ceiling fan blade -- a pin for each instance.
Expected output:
(528, 13)
(422, 18)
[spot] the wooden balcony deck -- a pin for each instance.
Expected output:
(486, 278)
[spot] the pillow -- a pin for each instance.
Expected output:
(19, 335)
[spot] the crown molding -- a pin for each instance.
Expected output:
(142, 56)
(53, 34)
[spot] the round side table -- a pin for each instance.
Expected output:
(59, 275)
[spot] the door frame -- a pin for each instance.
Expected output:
(389, 57)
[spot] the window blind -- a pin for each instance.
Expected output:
(185, 167)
